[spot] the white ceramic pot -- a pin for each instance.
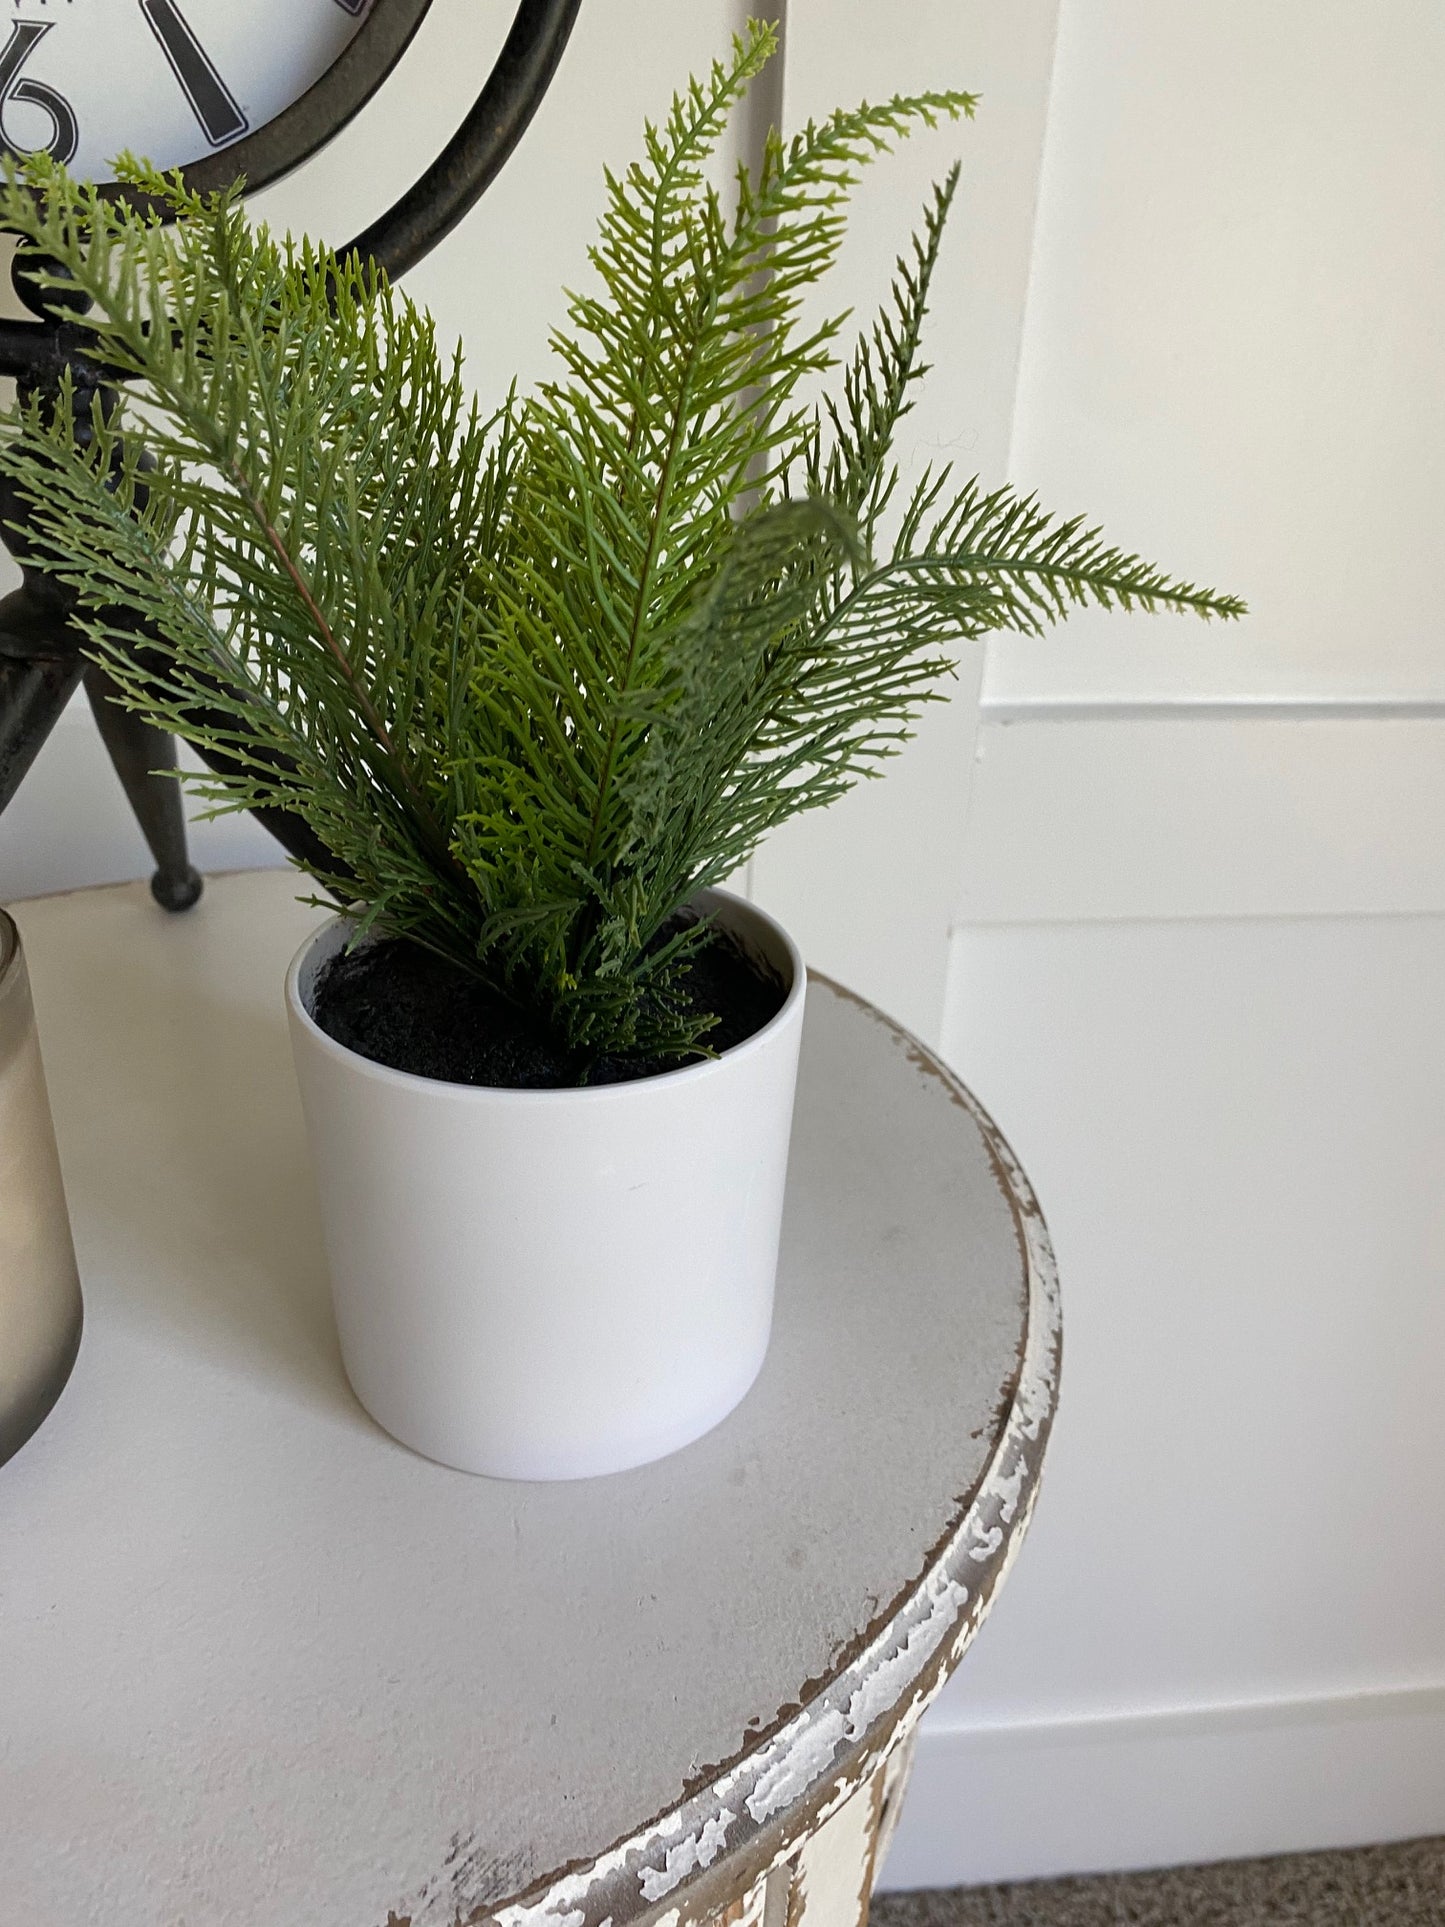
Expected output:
(552, 1284)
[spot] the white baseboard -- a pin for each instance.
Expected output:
(1168, 1788)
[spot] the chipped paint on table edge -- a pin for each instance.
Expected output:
(752, 1815)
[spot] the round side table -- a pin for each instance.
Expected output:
(260, 1666)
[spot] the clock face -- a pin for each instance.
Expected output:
(175, 81)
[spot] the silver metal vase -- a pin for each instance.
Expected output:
(40, 1308)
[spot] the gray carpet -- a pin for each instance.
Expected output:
(1395, 1886)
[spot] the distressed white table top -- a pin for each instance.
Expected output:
(259, 1664)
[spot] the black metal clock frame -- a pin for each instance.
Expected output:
(40, 649)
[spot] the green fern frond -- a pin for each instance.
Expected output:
(532, 679)
(862, 421)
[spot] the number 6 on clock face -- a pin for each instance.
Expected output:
(172, 80)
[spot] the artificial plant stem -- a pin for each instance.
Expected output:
(639, 610)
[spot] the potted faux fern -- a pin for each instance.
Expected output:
(537, 682)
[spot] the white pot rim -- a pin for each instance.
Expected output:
(568, 1093)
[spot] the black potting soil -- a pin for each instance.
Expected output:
(399, 1005)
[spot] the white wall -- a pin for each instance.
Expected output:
(871, 886)
(1232, 347)
(1198, 961)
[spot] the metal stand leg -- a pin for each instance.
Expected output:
(32, 694)
(141, 753)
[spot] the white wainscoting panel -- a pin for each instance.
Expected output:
(1231, 356)
(1191, 814)
(1236, 1125)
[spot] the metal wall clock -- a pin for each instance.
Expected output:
(200, 75)
(225, 92)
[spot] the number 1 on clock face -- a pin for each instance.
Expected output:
(212, 101)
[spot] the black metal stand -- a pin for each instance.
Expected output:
(41, 659)
(35, 687)
(142, 754)
(41, 662)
